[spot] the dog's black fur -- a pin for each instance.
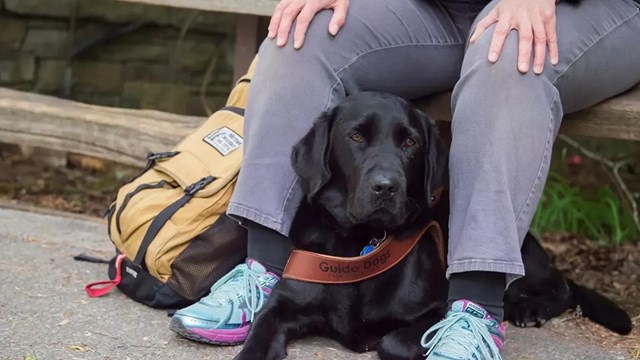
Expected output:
(371, 165)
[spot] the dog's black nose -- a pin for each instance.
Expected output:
(383, 186)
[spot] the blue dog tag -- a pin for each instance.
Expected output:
(367, 249)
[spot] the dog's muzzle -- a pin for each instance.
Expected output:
(380, 200)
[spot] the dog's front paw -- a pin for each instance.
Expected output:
(527, 315)
(393, 347)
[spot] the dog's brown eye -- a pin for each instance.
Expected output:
(408, 142)
(357, 137)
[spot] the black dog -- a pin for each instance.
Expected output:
(372, 165)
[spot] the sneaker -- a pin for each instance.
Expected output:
(224, 316)
(466, 333)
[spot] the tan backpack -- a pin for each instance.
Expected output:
(173, 239)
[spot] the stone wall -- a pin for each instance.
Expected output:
(132, 57)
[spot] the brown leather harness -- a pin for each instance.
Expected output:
(326, 269)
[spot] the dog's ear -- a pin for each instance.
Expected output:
(436, 162)
(310, 156)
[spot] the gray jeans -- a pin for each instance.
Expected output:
(504, 122)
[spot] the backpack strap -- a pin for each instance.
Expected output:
(164, 216)
(234, 109)
(100, 288)
(130, 195)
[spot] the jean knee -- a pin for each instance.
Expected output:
(504, 73)
(500, 98)
(368, 25)
(314, 49)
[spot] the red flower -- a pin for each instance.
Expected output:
(574, 160)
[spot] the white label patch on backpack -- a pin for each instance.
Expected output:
(224, 140)
(131, 271)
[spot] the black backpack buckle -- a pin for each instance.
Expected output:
(199, 185)
(161, 155)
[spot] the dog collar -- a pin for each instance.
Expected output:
(326, 269)
(373, 244)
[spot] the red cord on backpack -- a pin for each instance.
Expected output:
(101, 288)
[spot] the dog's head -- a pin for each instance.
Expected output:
(373, 159)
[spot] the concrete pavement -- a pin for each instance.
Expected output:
(45, 313)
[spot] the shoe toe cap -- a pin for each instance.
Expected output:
(197, 316)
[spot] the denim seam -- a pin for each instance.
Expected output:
(512, 268)
(357, 57)
(513, 271)
(492, 262)
(406, 27)
(607, 32)
(254, 211)
(387, 47)
(545, 154)
(288, 196)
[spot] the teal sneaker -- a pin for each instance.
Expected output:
(466, 333)
(224, 316)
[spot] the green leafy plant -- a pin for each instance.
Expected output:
(598, 215)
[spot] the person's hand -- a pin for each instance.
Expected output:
(303, 11)
(535, 21)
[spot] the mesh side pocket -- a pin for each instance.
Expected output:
(208, 257)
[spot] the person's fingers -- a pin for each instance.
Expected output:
(552, 39)
(525, 43)
(483, 25)
(274, 23)
(302, 24)
(339, 16)
(499, 35)
(540, 45)
(289, 14)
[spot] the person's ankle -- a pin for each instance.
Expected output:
(268, 247)
(485, 289)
